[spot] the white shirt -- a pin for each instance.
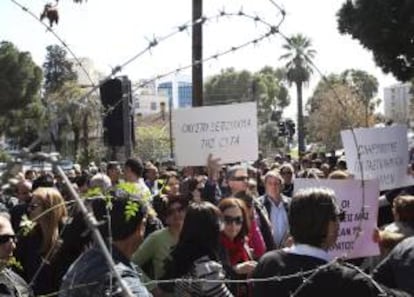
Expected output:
(308, 250)
(279, 220)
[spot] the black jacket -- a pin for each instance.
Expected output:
(397, 269)
(332, 280)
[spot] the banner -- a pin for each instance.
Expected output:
(226, 131)
(383, 154)
(360, 218)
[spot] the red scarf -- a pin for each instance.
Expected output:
(236, 251)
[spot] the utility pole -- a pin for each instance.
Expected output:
(197, 54)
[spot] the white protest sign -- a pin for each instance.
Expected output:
(349, 194)
(383, 155)
(226, 131)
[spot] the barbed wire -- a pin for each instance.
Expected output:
(276, 278)
(273, 30)
(49, 29)
(354, 137)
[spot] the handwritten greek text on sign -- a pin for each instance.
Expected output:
(226, 131)
(383, 155)
(360, 219)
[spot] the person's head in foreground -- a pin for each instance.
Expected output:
(314, 218)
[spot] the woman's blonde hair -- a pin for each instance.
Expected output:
(54, 213)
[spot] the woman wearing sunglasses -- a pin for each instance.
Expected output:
(235, 253)
(40, 250)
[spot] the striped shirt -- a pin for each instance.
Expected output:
(207, 269)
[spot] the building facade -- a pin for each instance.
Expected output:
(179, 91)
(398, 104)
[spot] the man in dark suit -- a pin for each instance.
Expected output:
(305, 269)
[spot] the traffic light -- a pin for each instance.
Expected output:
(291, 127)
(282, 128)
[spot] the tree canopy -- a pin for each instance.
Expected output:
(298, 57)
(20, 78)
(341, 101)
(57, 69)
(384, 27)
(265, 87)
(363, 84)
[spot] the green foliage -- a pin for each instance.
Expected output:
(153, 142)
(363, 85)
(26, 225)
(4, 156)
(336, 106)
(269, 139)
(384, 27)
(20, 79)
(299, 55)
(57, 69)
(265, 87)
(13, 263)
(25, 125)
(229, 86)
(136, 198)
(94, 192)
(131, 209)
(270, 93)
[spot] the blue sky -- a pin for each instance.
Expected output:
(112, 31)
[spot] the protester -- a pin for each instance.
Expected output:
(196, 255)
(151, 177)
(156, 247)
(133, 173)
(287, 172)
(113, 170)
(255, 236)
(397, 269)
(37, 252)
(314, 225)
(236, 255)
(91, 274)
(11, 284)
(277, 207)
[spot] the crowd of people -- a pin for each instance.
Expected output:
(238, 230)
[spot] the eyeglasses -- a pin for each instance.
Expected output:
(240, 178)
(6, 238)
(228, 220)
(32, 206)
(286, 172)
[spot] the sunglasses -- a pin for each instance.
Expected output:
(6, 238)
(286, 172)
(240, 178)
(228, 220)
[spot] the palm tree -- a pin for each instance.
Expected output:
(298, 71)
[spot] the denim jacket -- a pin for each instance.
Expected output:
(12, 285)
(90, 276)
